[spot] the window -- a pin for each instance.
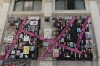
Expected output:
(27, 5)
(69, 5)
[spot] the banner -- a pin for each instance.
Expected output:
(31, 28)
(47, 33)
(56, 53)
(45, 44)
(89, 43)
(88, 35)
(33, 22)
(10, 38)
(26, 38)
(31, 48)
(26, 50)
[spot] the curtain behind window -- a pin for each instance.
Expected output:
(37, 5)
(19, 6)
(79, 5)
(59, 5)
(26, 5)
(31, 5)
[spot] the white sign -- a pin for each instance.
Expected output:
(10, 38)
(47, 33)
(33, 22)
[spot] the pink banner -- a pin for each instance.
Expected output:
(15, 38)
(81, 34)
(53, 42)
(56, 40)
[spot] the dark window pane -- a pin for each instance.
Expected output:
(70, 4)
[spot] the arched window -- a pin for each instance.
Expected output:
(69, 5)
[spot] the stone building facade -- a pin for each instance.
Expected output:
(48, 9)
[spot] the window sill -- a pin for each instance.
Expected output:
(35, 12)
(28, 11)
(71, 11)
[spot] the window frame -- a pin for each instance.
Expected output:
(23, 5)
(66, 6)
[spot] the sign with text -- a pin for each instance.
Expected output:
(48, 33)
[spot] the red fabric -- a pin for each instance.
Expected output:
(60, 19)
(10, 64)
